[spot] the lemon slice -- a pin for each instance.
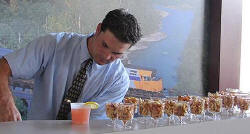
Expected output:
(92, 104)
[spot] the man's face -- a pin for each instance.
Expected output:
(107, 48)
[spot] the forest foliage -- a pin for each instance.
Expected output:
(23, 20)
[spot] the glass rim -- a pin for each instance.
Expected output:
(78, 105)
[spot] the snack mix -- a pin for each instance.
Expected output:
(215, 104)
(243, 104)
(197, 106)
(157, 109)
(180, 109)
(111, 110)
(132, 100)
(144, 107)
(169, 107)
(227, 101)
(125, 112)
(184, 98)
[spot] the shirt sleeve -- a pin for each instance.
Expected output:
(26, 62)
(116, 92)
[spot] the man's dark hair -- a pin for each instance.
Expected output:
(123, 25)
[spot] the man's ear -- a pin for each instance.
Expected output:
(98, 28)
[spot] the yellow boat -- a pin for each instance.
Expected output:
(143, 79)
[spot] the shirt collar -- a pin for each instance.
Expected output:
(84, 48)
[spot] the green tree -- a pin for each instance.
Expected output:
(22, 21)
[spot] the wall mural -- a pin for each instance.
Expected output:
(170, 59)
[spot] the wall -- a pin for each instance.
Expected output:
(230, 44)
(245, 47)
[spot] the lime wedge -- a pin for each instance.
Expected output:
(92, 104)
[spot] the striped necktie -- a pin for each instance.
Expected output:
(74, 91)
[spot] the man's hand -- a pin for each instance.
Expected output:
(8, 110)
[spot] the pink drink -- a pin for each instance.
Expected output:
(80, 113)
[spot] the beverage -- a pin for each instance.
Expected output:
(80, 113)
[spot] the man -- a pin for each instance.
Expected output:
(54, 61)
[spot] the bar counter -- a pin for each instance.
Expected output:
(230, 126)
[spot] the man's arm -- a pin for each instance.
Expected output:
(24, 63)
(8, 110)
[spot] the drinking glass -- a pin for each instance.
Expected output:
(197, 108)
(214, 106)
(80, 113)
(188, 99)
(144, 110)
(169, 108)
(180, 110)
(125, 112)
(227, 103)
(156, 110)
(134, 101)
(238, 96)
(243, 104)
(111, 112)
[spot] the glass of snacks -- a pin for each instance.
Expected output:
(132, 100)
(197, 108)
(111, 112)
(214, 106)
(243, 105)
(228, 103)
(169, 108)
(156, 110)
(125, 113)
(144, 107)
(180, 110)
(144, 110)
(237, 96)
(187, 99)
